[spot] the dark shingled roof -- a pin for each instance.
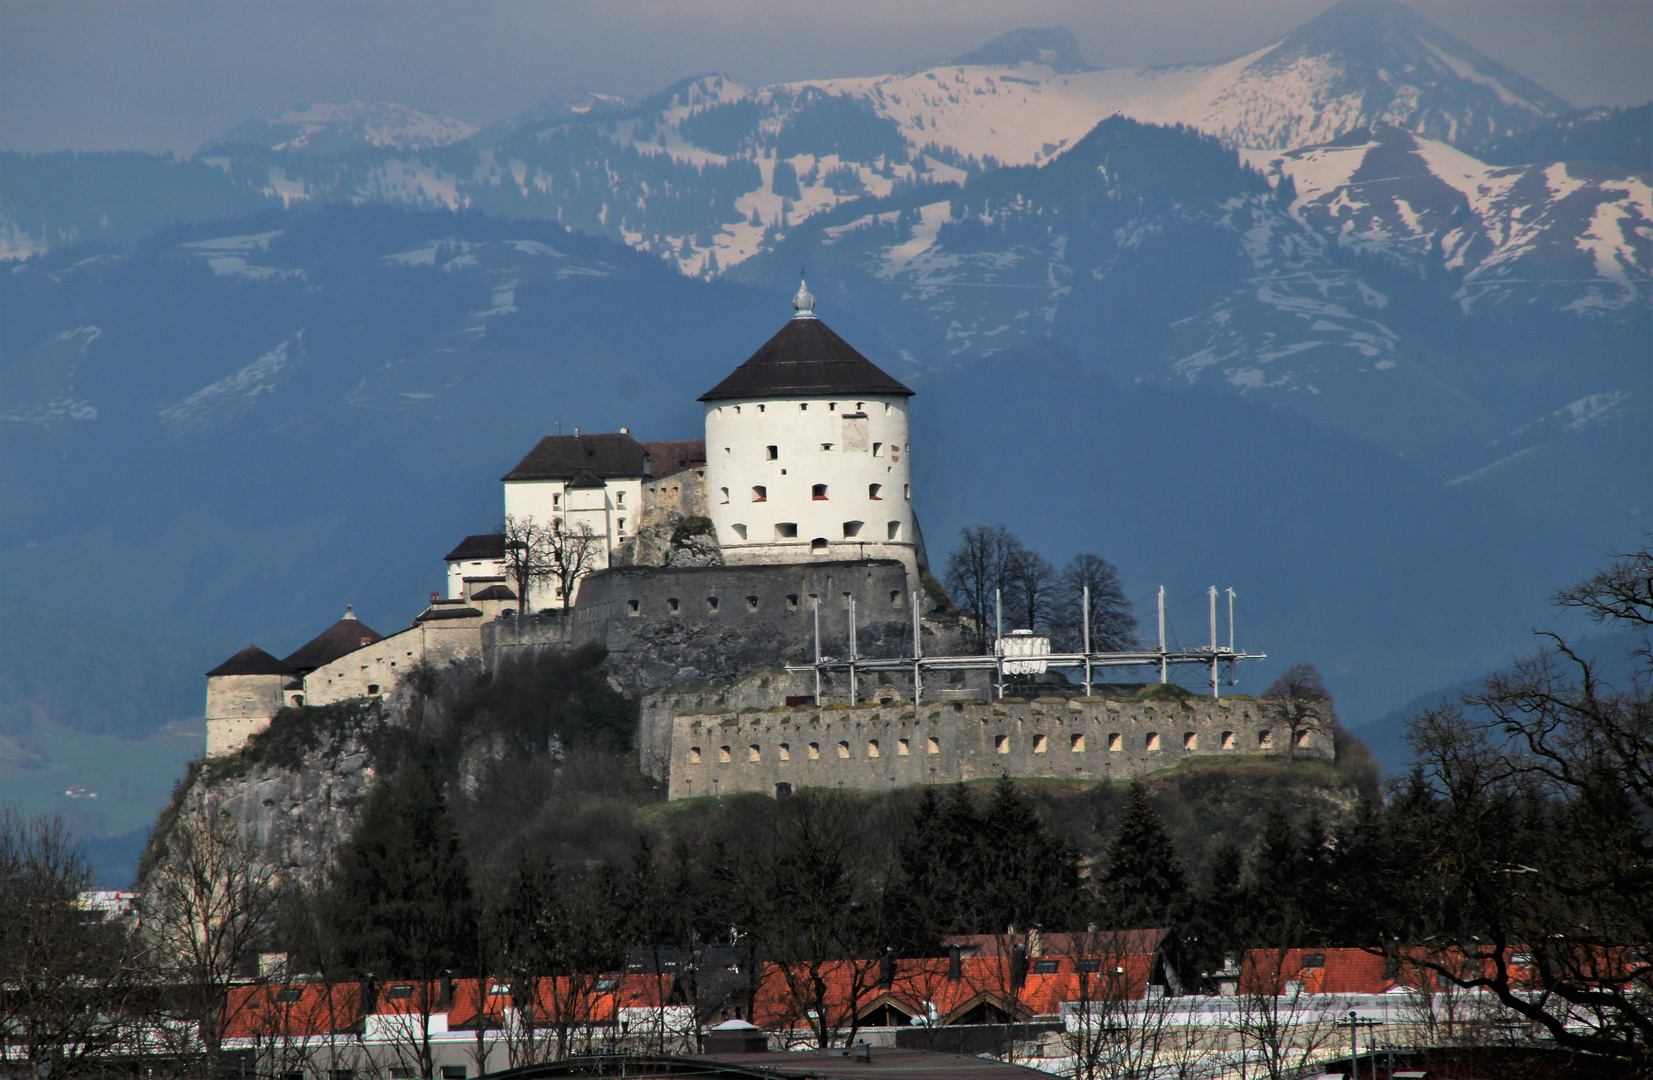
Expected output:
(251, 661)
(675, 456)
(495, 592)
(562, 457)
(480, 546)
(585, 478)
(805, 359)
(433, 613)
(345, 636)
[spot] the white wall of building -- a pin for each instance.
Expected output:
(612, 512)
(765, 459)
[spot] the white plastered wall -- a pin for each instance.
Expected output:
(868, 441)
(611, 512)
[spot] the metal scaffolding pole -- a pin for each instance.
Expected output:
(1162, 633)
(1216, 690)
(816, 602)
(918, 652)
(1087, 614)
(853, 687)
(998, 636)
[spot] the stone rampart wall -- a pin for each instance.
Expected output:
(879, 748)
(374, 670)
(682, 494)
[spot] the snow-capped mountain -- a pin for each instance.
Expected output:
(1572, 237)
(331, 127)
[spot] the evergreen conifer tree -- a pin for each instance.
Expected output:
(1028, 876)
(1145, 883)
(401, 897)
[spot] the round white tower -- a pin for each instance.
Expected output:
(807, 452)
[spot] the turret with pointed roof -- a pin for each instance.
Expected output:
(807, 454)
(345, 636)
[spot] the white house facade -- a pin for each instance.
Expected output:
(808, 454)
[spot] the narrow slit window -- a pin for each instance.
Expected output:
(772, 452)
(877, 449)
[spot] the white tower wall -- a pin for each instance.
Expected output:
(767, 458)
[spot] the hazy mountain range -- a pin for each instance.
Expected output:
(1279, 322)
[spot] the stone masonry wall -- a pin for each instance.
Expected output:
(884, 747)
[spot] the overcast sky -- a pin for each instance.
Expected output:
(169, 75)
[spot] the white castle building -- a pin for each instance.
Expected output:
(806, 460)
(808, 452)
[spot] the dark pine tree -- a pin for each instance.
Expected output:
(1029, 877)
(918, 903)
(1278, 874)
(1145, 883)
(401, 897)
(1217, 927)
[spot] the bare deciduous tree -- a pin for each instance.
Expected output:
(977, 571)
(556, 552)
(68, 973)
(1281, 1026)
(205, 904)
(1299, 700)
(1113, 627)
(1030, 600)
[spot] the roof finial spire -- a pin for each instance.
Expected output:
(803, 304)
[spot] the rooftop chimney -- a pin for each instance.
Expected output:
(955, 963)
(886, 970)
(369, 996)
(444, 992)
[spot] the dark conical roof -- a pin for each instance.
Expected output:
(345, 636)
(805, 359)
(251, 661)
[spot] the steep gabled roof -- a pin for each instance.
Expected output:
(479, 546)
(675, 455)
(345, 636)
(562, 457)
(495, 592)
(251, 661)
(805, 359)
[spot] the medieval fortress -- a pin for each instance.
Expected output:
(786, 533)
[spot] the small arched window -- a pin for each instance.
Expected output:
(875, 491)
(818, 546)
(843, 749)
(760, 493)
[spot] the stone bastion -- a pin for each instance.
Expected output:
(882, 747)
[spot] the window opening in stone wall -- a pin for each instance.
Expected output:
(556, 504)
(1038, 744)
(725, 494)
(877, 449)
(818, 546)
(739, 530)
(723, 753)
(803, 406)
(814, 750)
(845, 604)
(752, 602)
(772, 452)
(753, 753)
(671, 602)
(762, 408)
(786, 530)
(872, 747)
(792, 601)
(633, 607)
(874, 491)
(1265, 740)
(894, 530)
(852, 528)
(619, 498)
(902, 748)
(622, 525)
(711, 603)
(1190, 741)
(760, 493)
(843, 749)
(895, 597)
(785, 750)
(819, 492)
(826, 446)
(1228, 740)
(1302, 736)
(907, 491)
(1116, 742)
(1076, 744)
(932, 745)
(1001, 743)
(1152, 741)
(694, 755)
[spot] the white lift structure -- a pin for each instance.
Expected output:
(1021, 653)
